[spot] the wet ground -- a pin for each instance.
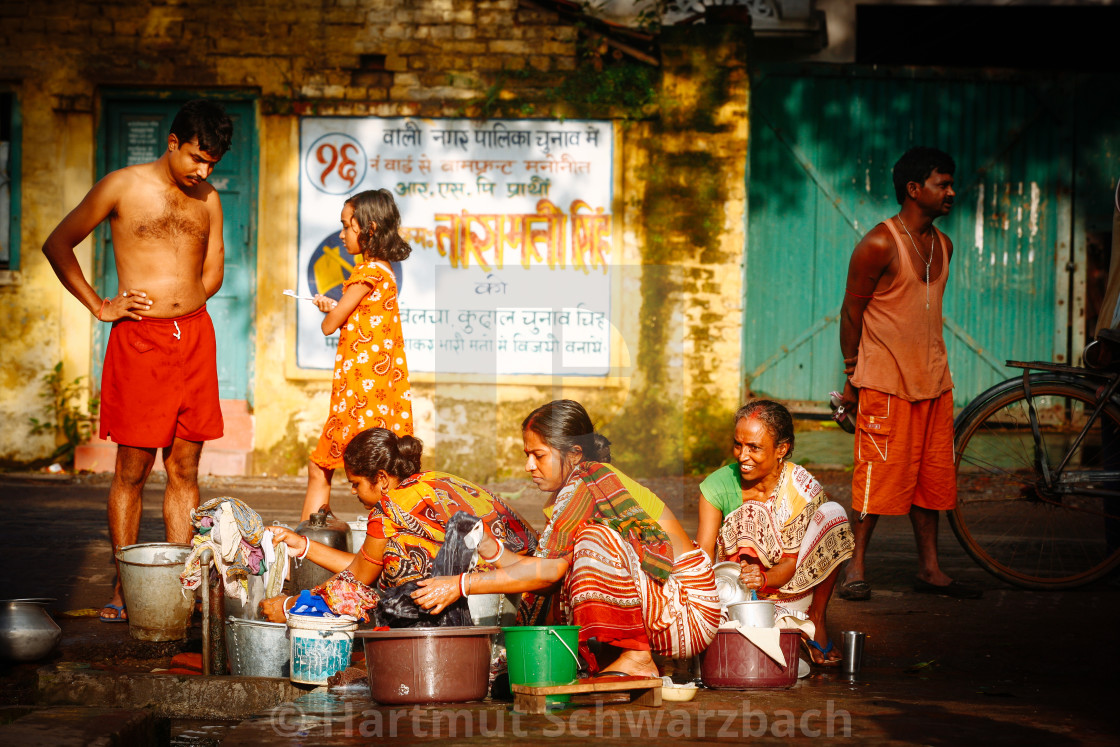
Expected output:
(1017, 666)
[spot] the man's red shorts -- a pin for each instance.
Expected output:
(160, 381)
(903, 454)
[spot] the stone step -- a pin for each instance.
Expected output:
(79, 726)
(165, 695)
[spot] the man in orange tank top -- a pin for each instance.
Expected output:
(898, 373)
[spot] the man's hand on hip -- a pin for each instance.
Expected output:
(124, 306)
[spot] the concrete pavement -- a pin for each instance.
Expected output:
(1017, 666)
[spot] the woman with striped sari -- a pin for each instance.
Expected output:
(612, 558)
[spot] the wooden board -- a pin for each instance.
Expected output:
(591, 685)
(644, 691)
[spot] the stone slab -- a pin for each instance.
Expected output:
(64, 726)
(165, 695)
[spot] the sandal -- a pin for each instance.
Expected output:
(120, 617)
(855, 591)
(813, 649)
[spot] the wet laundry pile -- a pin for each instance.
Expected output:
(241, 545)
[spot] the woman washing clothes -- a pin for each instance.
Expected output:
(409, 511)
(773, 518)
(612, 559)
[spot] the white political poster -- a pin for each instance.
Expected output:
(511, 232)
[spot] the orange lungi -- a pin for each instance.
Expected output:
(903, 454)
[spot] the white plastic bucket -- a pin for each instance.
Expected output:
(320, 646)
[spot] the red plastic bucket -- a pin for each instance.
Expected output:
(734, 663)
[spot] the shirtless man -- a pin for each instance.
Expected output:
(898, 372)
(159, 386)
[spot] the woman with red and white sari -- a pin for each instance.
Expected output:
(612, 558)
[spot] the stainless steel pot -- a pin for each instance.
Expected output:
(758, 613)
(27, 632)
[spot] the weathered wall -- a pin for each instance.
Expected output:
(688, 190)
(682, 141)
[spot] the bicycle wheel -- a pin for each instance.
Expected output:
(1026, 530)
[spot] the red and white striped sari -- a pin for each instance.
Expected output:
(613, 600)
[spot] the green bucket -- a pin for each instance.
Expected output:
(542, 655)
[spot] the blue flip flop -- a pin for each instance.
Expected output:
(824, 651)
(121, 612)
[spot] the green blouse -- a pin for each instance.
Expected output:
(722, 488)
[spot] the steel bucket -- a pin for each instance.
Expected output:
(492, 609)
(250, 608)
(158, 609)
(357, 536)
(758, 613)
(257, 648)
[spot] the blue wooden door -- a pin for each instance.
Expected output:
(823, 141)
(135, 131)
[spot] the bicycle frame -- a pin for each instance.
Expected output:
(1057, 480)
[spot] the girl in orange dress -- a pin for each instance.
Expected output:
(370, 388)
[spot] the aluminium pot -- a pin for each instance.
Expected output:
(27, 632)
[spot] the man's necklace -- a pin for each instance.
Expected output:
(914, 244)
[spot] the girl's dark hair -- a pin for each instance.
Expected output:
(377, 449)
(379, 223)
(207, 121)
(916, 165)
(773, 415)
(563, 424)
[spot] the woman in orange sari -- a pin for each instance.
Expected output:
(409, 511)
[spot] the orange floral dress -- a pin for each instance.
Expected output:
(370, 387)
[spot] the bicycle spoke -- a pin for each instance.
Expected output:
(1009, 517)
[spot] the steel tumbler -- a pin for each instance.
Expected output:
(851, 647)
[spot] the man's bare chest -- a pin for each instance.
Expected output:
(170, 219)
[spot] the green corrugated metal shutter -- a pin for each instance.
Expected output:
(823, 141)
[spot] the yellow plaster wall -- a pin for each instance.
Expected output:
(40, 323)
(678, 320)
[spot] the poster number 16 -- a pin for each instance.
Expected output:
(338, 163)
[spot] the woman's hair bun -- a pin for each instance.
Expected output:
(599, 450)
(376, 449)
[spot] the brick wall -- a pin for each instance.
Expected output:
(402, 57)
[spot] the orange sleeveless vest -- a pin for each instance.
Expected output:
(902, 348)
